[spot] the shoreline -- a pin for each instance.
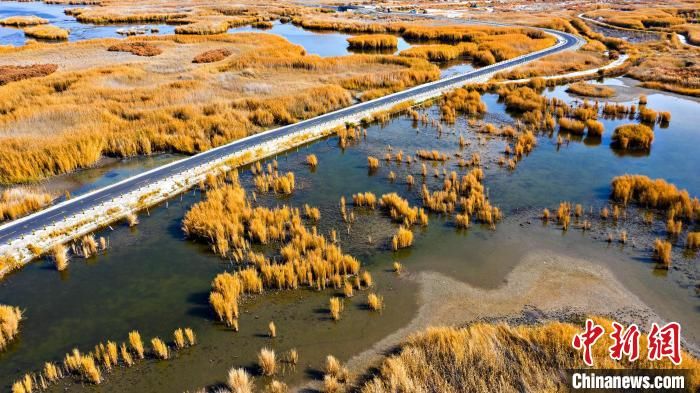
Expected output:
(544, 286)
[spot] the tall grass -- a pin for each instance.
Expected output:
(19, 201)
(239, 381)
(495, 357)
(375, 302)
(662, 252)
(312, 160)
(59, 252)
(402, 239)
(267, 362)
(335, 307)
(160, 349)
(10, 318)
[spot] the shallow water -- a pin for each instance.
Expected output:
(154, 280)
(322, 43)
(55, 15)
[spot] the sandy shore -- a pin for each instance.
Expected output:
(543, 286)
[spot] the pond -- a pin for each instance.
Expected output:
(154, 280)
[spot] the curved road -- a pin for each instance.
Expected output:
(26, 225)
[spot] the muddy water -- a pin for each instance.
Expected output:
(154, 280)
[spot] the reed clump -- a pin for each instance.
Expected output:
(136, 48)
(431, 155)
(486, 357)
(212, 56)
(335, 307)
(662, 252)
(461, 101)
(160, 349)
(633, 137)
(693, 240)
(572, 125)
(239, 381)
(59, 252)
(279, 183)
(365, 199)
(590, 90)
(10, 318)
(595, 128)
(372, 163)
(272, 330)
(375, 302)
(655, 193)
(267, 362)
(402, 239)
(312, 160)
(373, 41)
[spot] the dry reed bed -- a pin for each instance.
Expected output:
(93, 366)
(639, 18)
(136, 48)
(487, 357)
(144, 108)
(227, 220)
(19, 201)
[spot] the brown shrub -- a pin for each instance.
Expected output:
(10, 73)
(136, 48)
(211, 56)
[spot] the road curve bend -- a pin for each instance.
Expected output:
(55, 214)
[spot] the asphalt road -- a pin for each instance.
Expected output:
(51, 215)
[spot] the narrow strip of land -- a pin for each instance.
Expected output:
(96, 200)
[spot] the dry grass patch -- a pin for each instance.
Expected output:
(136, 48)
(557, 64)
(497, 357)
(212, 56)
(9, 73)
(590, 90)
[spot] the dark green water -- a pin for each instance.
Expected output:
(154, 280)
